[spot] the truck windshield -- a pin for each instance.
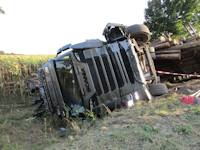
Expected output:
(68, 81)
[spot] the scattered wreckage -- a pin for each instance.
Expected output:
(85, 75)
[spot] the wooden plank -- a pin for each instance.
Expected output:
(168, 51)
(193, 38)
(190, 41)
(163, 45)
(185, 46)
(161, 38)
(192, 49)
(168, 56)
(166, 40)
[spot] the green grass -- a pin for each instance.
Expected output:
(17, 133)
(163, 123)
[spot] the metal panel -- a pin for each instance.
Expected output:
(94, 75)
(116, 70)
(108, 71)
(127, 64)
(122, 65)
(115, 49)
(101, 73)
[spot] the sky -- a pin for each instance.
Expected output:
(34, 27)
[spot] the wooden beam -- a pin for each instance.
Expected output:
(175, 42)
(185, 46)
(161, 38)
(161, 46)
(193, 49)
(193, 38)
(168, 56)
(166, 40)
(190, 41)
(182, 39)
(168, 51)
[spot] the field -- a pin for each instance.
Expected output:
(163, 123)
(15, 71)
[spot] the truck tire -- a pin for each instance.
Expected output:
(158, 89)
(139, 32)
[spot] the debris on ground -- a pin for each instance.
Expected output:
(192, 99)
(36, 101)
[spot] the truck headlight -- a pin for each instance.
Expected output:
(136, 95)
(130, 100)
(130, 103)
(46, 69)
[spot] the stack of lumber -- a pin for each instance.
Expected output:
(168, 48)
(177, 55)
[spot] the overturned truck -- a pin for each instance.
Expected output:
(85, 75)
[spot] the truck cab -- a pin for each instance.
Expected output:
(89, 74)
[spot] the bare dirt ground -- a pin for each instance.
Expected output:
(183, 88)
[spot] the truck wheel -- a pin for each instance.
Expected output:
(139, 32)
(158, 89)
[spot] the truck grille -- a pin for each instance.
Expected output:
(127, 64)
(108, 71)
(94, 75)
(103, 80)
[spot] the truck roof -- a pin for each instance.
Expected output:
(93, 43)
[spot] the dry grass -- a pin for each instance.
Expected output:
(164, 123)
(17, 133)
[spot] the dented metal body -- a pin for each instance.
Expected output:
(91, 73)
(109, 74)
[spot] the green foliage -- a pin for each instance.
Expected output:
(197, 111)
(90, 114)
(170, 17)
(150, 129)
(182, 129)
(7, 145)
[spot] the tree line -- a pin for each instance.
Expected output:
(174, 18)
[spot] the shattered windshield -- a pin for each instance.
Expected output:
(68, 81)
